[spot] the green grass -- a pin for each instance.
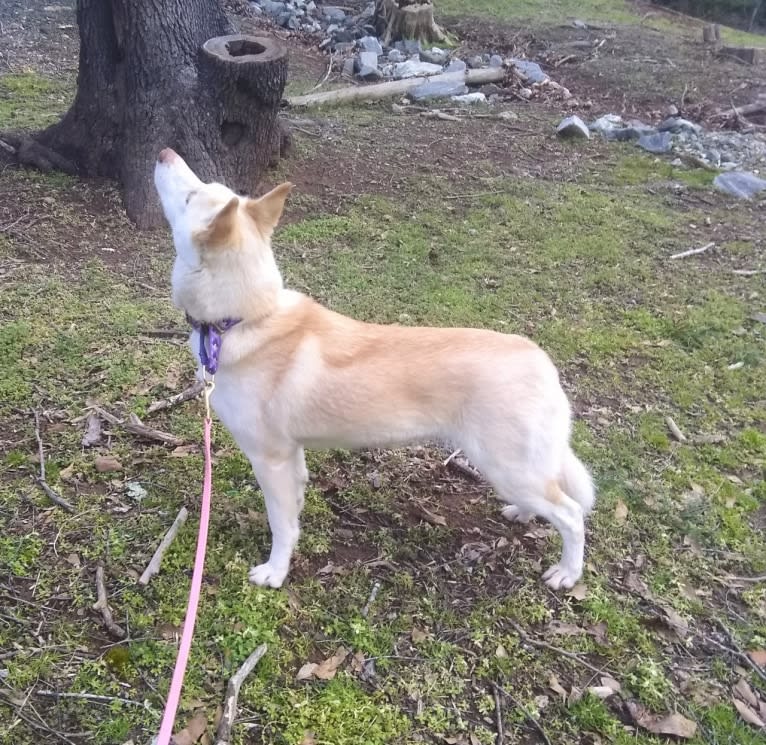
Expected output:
(32, 101)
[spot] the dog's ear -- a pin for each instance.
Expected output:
(220, 232)
(267, 209)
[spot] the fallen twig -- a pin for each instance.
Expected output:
(232, 694)
(370, 600)
(734, 578)
(674, 430)
(748, 272)
(526, 713)
(135, 426)
(166, 333)
(191, 392)
(89, 697)
(464, 469)
(154, 565)
(498, 715)
(451, 456)
(40, 480)
(41, 725)
(737, 651)
(544, 645)
(692, 251)
(102, 604)
(474, 195)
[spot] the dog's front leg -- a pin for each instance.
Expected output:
(282, 480)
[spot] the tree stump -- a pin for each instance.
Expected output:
(407, 19)
(745, 55)
(711, 34)
(155, 75)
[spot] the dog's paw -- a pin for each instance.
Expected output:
(559, 577)
(267, 575)
(515, 515)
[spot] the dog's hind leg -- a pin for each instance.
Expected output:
(283, 481)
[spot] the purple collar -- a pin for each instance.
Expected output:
(210, 339)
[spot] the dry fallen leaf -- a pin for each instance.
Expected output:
(418, 636)
(748, 714)
(326, 670)
(92, 434)
(745, 692)
(611, 683)
(433, 518)
(107, 464)
(579, 591)
(678, 624)
(562, 628)
(620, 512)
(602, 692)
(182, 451)
(758, 656)
(675, 725)
(190, 734)
(556, 687)
(66, 474)
(307, 671)
(501, 652)
(308, 738)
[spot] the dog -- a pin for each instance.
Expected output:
(292, 374)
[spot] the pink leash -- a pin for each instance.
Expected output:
(174, 695)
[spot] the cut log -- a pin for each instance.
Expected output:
(745, 55)
(711, 34)
(407, 19)
(380, 91)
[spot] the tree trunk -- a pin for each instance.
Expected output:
(166, 74)
(407, 19)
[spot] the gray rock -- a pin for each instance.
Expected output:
(577, 23)
(475, 62)
(370, 44)
(530, 71)
(257, 9)
(412, 68)
(332, 28)
(333, 14)
(349, 67)
(288, 20)
(437, 90)
(434, 55)
(658, 144)
(470, 98)
(606, 124)
(455, 65)
(741, 184)
(367, 66)
(311, 6)
(677, 124)
(496, 61)
(626, 134)
(411, 46)
(573, 126)
(395, 56)
(273, 8)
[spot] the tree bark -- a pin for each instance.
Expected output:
(166, 73)
(407, 19)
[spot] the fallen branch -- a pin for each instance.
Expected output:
(232, 694)
(154, 565)
(379, 91)
(371, 599)
(498, 715)
(544, 645)
(135, 426)
(526, 714)
(674, 430)
(748, 272)
(191, 392)
(8, 148)
(89, 697)
(40, 480)
(102, 604)
(692, 251)
(738, 111)
(464, 469)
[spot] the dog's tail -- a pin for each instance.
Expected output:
(577, 482)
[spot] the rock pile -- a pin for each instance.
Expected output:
(728, 151)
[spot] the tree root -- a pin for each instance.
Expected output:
(30, 152)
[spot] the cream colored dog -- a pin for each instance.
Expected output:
(293, 374)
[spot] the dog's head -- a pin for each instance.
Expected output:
(224, 262)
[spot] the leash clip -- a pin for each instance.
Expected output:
(208, 391)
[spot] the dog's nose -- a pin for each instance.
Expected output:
(168, 155)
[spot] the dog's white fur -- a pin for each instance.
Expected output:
(293, 374)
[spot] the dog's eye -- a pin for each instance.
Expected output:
(189, 196)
